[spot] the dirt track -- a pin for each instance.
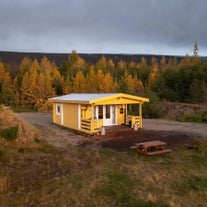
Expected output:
(176, 134)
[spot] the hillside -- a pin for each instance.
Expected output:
(14, 131)
(14, 58)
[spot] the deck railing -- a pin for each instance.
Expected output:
(131, 120)
(91, 126)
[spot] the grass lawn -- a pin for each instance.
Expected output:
(46, 176)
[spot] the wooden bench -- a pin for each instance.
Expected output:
(151, 148)
(159, 152)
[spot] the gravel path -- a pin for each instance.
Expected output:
(60, 137)
(186, 127)
(53, 134)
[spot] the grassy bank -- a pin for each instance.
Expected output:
(46, 176)
(196, 117)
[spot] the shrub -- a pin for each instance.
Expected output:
(152, 109)
(10, 133)
(197, 117)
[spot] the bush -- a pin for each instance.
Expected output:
(152, 109)
(197, 118)
(10, 133)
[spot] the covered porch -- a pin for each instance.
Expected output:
(94, 117)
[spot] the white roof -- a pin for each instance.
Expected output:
(82, 97)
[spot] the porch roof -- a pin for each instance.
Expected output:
(95, 98)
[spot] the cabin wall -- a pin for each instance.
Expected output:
(68, 115)
(70, 118)
(56, 117)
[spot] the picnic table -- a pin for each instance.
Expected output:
(151, 147)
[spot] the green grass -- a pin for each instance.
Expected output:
(197, 118)
(10, 133)
(46, 176)
(118, 187)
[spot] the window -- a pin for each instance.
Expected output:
(58, 109)
(108, 111)
(100, 112)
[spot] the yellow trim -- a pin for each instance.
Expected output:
(133, 99)
(120, 96)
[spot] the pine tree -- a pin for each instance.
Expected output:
(196, 50)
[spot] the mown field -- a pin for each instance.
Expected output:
(47, 176)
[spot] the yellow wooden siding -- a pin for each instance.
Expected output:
(56, 117)
(70, 117)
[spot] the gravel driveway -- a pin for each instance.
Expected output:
(60, 137)
(193, 128)
(53, 134)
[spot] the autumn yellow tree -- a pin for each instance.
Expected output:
(101, 82)
(36, 85)
(79, 83)
(91, 81)
(127, 84)
(163, 63)
(70, 67)
(138, 85)
(108, 83)
(102, 64)
(23, 68)
(152, 76)
(29, 87)
(67, 86)
(52, 75)
(6, 87)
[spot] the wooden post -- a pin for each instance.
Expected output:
(140, 115)
(92, 118)
(126, 114)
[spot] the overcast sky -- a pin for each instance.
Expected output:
(166, 27)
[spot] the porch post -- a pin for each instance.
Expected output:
(92, 118)
(140, 115)
(126, 114)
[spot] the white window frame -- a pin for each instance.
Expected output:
(58, 109)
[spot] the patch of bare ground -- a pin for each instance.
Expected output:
(176, 134)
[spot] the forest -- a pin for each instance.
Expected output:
(30, 86)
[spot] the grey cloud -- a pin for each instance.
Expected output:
(103, 25)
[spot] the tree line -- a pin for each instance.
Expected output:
(36, 81)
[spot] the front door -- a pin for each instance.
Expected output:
(109, 115)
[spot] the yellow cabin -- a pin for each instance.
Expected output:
(89, 112)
